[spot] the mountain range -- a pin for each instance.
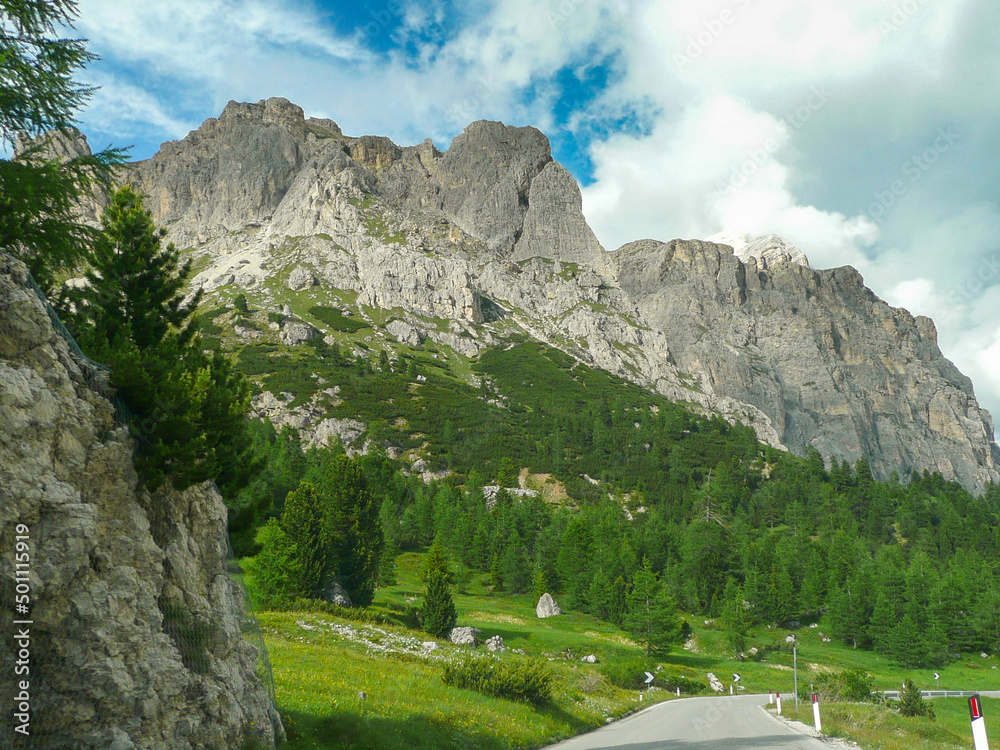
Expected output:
(477, 246)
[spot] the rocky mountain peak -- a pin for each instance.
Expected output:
(769, 250)
(274, 111)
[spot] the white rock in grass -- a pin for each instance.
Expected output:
(495, 644)
(463, 636)
(547, 606)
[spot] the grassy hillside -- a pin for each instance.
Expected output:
(323, 660)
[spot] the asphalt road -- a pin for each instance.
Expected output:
(723, 723)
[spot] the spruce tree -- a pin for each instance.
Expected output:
(881, 625)
(438, 614)
(735, 618)
(652, 614)
(190, 409)
(306, 524)
(618, 602)
(354, 514)
(912, 703)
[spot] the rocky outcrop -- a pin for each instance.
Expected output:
(136, 633)
(554, 226)
(830, 364)
(465, 245)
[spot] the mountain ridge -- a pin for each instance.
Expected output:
(489, 236)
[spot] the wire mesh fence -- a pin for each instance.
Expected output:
(198, 619)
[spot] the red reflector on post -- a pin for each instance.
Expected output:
(815, 698)
(975, 710)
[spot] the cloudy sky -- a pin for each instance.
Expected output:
(864, 131)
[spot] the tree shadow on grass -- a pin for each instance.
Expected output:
(358, 732)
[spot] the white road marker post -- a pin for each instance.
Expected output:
(678, 692)
(795, 669)
(819, 725)
(770, 697)
(978, 723)
(779, 703)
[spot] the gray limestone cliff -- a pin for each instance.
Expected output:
(489, 237)
(136, 635)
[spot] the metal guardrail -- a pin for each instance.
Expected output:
(946, 693)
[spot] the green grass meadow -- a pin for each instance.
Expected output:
(876, 727)
(319, 674)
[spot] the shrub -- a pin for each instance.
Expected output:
(274, 576)
(524, 680)
(240, 303)
(336, 320)
(854, 685)
(671, 678)
(629, 674)
(912, 703)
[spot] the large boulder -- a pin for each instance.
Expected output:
(463, 636)
(547, 606)
(404, 333)
(294, 334)
(715, 683)
(336, 594)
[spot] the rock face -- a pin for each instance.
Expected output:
(464, 246)
(136, 630)
(830, 364)
(547, 606)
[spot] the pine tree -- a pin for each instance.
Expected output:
(735, 618)
(190, 408)
(618, 602)
(881, 625)
(438, 614)
(38, 194)
(306, 524)
(134, 284)
(354, 513)
(912, 703)
(652, 614)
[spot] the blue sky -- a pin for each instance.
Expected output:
(864, 131)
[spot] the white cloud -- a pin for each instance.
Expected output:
(121, 109)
